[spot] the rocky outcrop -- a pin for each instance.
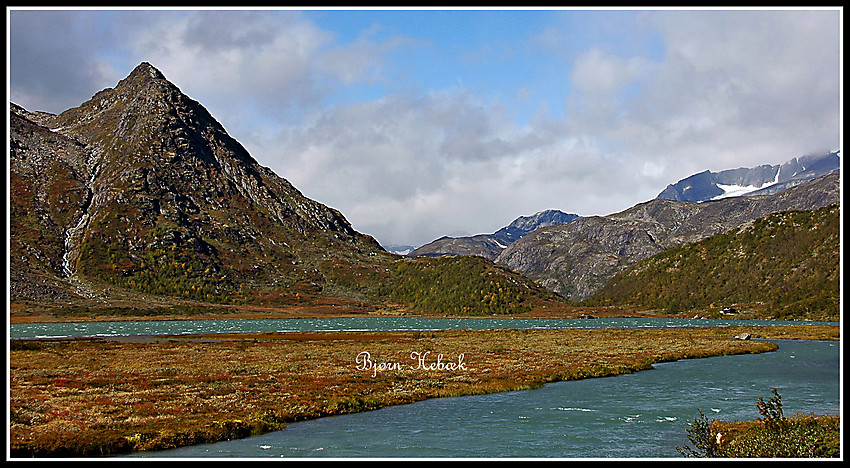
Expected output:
(48, 198)
(578, 258)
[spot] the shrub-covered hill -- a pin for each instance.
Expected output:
(787, 262)
(461, 285)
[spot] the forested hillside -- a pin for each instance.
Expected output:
(786, 265)
(461, 285)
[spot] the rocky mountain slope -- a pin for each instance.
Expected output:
(761, 180)
(787, 263)
(140, 193)
(577, 259)
(491, 245)
(141, 187)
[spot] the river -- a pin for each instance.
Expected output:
(640, 415)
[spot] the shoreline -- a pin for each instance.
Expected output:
(116, 311)
(301, 313)
(584, 313)
(96, 397)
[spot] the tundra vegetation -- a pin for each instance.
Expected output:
(94, 397)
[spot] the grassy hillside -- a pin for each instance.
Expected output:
(787, 262)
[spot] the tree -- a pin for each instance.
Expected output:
(771, 412)
(699, 433)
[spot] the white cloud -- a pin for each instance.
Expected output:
(597, 72)
(416, 168)
(731, 89)
(237, 57)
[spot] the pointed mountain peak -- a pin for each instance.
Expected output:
(144, 73)
(143, 76)
(146, 69)
(140, 106)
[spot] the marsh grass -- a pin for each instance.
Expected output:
(92, 397)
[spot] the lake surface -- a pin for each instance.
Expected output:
(641, 415)
(182, 327)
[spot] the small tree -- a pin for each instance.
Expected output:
(771, 412)
(699, 433)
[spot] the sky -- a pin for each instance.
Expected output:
(420, 123)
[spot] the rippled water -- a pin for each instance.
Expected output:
(180, 327)
(641, 415)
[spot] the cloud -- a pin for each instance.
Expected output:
(731, 89)
(411, 169)
(754, 87)
(48, 68)
(243, 60)
(596, 72)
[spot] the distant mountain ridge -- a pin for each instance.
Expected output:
(760, 180)
(578, 258)
(490, 245)
(398, 249)
(525, 224)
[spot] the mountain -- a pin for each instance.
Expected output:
(482, 245)
(140, 197)
(577, 259)
(787, 261)
(760, 180)
(491, 245)
(525, 224)
(141, 187)
(399, 249)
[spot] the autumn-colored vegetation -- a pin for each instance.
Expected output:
(786, 264)
(197, 270)
(92, 397)
(461, 285)
(164, 271)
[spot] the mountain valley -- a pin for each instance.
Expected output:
(138, 202)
